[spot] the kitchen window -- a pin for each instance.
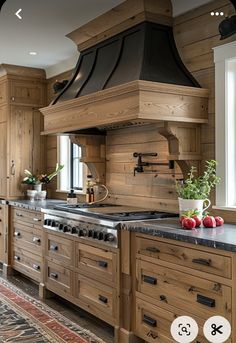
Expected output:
(225, 94)
(72, 175)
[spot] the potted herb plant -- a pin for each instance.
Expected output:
(195, 190)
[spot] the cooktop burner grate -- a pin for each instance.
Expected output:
(83, 205)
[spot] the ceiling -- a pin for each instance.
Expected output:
(44, 25)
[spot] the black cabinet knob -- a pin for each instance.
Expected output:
(60, 227)
(73, 230)
(109, 237)
(95, 234)
(101, 236)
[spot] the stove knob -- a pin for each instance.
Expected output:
(60, 227)
(49, 222)
(109, 237)
(53, 224)
(65, 228)
(82, 233)
(74, 229)
(90, 233)
(95, 234)
(45, 222)
(101, 236)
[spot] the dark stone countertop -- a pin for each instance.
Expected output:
(221, 237)
(36, 205)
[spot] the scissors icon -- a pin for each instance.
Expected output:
(216, 329)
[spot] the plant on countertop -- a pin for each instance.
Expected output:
(32, 179)
(198, 187)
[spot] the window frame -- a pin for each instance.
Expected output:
(224, 56)
(69, 168)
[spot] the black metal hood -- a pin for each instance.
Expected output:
(146, 51)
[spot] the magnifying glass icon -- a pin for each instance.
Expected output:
(184, 329)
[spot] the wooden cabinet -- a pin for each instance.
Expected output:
(98, 262)
(27, 242)
(85, 274)
(21, 146)
(97, 296)
(188, 257)
(174, 279)
(1, 234)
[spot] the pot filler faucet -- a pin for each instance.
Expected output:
(141, 164)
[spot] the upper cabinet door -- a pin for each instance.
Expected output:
(26, 146)
(27, 93)
(3, 159)
(20, 147)
(3, 93)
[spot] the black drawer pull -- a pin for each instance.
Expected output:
(36, 240)
(103, 299)
(17, 258)
(54, 275)
(102, 264)
(202, 261)
(201, 299)
(54, 247)
(163, 298)
(149, 321)
(149, 279)
(19, 215)
(36, 267)
(17, 234)
(37, 220)
(153, 249)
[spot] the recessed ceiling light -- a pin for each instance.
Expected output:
(33, 53)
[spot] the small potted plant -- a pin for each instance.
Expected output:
(38, 180)
(195, 190)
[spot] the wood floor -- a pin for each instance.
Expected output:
(77, 315)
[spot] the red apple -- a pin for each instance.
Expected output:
(219, 221)
(181, 219)
(188, 223)
(197, 220)
(209, 222)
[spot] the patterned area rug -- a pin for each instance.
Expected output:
(26, 320)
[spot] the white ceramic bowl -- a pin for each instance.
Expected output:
(41, 195)
(31, 193)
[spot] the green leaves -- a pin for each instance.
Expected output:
(31, 179)
(198, 187)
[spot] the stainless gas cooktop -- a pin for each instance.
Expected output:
(114, 212)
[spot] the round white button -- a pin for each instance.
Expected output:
(184, 329)
(217, 329)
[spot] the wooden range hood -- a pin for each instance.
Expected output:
(130, 73)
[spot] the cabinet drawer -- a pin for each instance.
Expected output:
(195, 259)
(153, 323)
(58, 278)
(27, 263)
(60, 249)
(97, 262)
(99, 297)
(169, 287)
(27, 238)
(33, 218)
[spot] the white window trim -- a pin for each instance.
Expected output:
(85, 171)
(222, 56)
